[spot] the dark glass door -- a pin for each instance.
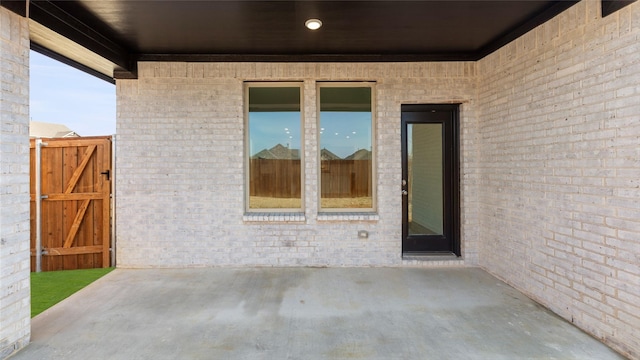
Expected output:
(430, 190)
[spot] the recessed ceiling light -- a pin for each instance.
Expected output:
(313, 24)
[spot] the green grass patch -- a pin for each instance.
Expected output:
(51, 287)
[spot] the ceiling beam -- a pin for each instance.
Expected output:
(48, 14)
(65, 60)
(305, 57)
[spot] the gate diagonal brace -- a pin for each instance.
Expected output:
(76, 224)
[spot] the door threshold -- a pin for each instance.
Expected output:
(430, 256)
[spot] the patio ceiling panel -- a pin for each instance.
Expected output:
(123, 32)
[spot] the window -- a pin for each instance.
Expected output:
(346, 147)
(274, 140)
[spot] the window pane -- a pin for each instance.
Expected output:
(346, 148)
(274, 148)
(425, 168)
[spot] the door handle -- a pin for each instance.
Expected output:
(405, 192)
(108, 173)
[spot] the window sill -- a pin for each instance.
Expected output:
(274, 217)
(348, 216)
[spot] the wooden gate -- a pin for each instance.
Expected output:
(76, 203)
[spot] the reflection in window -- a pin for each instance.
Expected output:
(346, 151)
(274, 141)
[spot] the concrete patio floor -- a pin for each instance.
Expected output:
(304, 313)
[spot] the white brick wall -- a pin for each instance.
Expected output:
(559, 156)
(550, 147)
(180, 166)
(15, 307)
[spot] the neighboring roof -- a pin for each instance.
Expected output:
(123, 32)
(280, 152)
(361, 154)
(328, 155)
(39, 129)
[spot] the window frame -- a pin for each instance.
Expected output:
(374, 147)
(247, 151)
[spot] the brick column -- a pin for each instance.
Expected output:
(15, 301)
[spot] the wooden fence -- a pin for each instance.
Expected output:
(275, 178)
(345, 178)
(75, 206)
(281, 178)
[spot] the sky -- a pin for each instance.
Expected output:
(64, 95)
(344, 133)
(268, 129)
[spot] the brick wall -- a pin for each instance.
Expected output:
(559, 157)
(180, 168)
(550, 148)
(15, 313)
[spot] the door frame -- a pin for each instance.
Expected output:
(451, 181)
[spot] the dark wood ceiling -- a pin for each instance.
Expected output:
(125, 31)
